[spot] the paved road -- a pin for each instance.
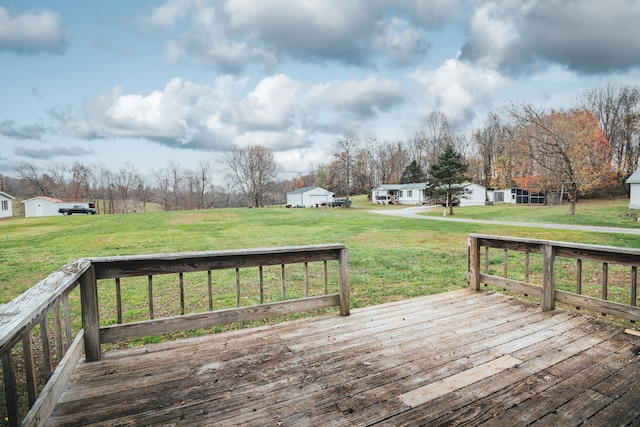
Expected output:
(413, 212)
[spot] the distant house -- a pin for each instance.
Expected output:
(634, 190)
(6, 207)
(399, 194)
(415, 194)
(309, 197)
(516, 196)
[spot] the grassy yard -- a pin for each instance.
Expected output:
(390, 258)
(609, 213)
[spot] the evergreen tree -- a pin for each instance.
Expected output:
(447, 175)
(413, 173)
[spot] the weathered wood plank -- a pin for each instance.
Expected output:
(28, 308)
(52, 391)
(351, 370)
(127, 266)
(207, 320)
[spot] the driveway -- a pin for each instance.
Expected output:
(413, 212)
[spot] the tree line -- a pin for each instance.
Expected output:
(579, 150)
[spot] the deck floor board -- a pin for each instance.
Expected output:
(460, 358)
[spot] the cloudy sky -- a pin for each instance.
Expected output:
(148, 82)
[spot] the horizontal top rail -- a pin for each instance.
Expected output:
(615, 254)
(140, 265)
(22, 313)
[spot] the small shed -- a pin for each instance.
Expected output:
(41, 206)
(634, 190)
(309, 197)
(6, 206)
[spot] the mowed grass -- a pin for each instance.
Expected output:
(390, 258)
(606, 213)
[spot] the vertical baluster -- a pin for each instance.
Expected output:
(150, 290)
(306, 280)
(326, 279)
(261, 274)
(526, 267)
(605, 282)
(486, 260)
(634, 285)
(181, 279)
(58, 327)
(10, 389)
(46, 351)
(29, 368)
(118, 301)
(505, 264)
(579, 276)
(210, 290)
(68, 332)
(237, 287)
(283, 283)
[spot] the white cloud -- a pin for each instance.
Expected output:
(457, 87)
(32, 32)
(278, 112)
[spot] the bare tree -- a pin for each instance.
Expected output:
(618, 111)
(252, 170)
(344, 163)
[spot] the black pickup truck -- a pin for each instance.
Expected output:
(77, 209)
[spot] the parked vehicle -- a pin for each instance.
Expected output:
(341, 203)
(77, 209)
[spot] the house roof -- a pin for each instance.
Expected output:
(412, 186)
(307, 189)
(634, 178)
(49, 199)
(2, 193)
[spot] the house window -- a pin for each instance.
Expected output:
(409, 193)
(5, 205)
(400, 193)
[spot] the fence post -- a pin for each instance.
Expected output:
(90, 315)
(548, 278)
(473, 273)
(344, 282)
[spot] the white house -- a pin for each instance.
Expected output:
(515, 195)
(414, 194)
(6, 207)
(309, 197)
(476, 196)
(399, 194)
(634, 190)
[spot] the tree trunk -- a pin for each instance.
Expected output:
(574, 196)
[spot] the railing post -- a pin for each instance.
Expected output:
(344, 282)
(473, 275)
(548, 278)
(90, 315)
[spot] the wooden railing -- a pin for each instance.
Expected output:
(35, 375)
(576, 274)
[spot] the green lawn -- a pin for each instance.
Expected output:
(610, 213)
(390, 258)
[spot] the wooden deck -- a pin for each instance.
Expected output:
(460, 358)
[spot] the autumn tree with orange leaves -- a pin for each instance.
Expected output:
(560, 149)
